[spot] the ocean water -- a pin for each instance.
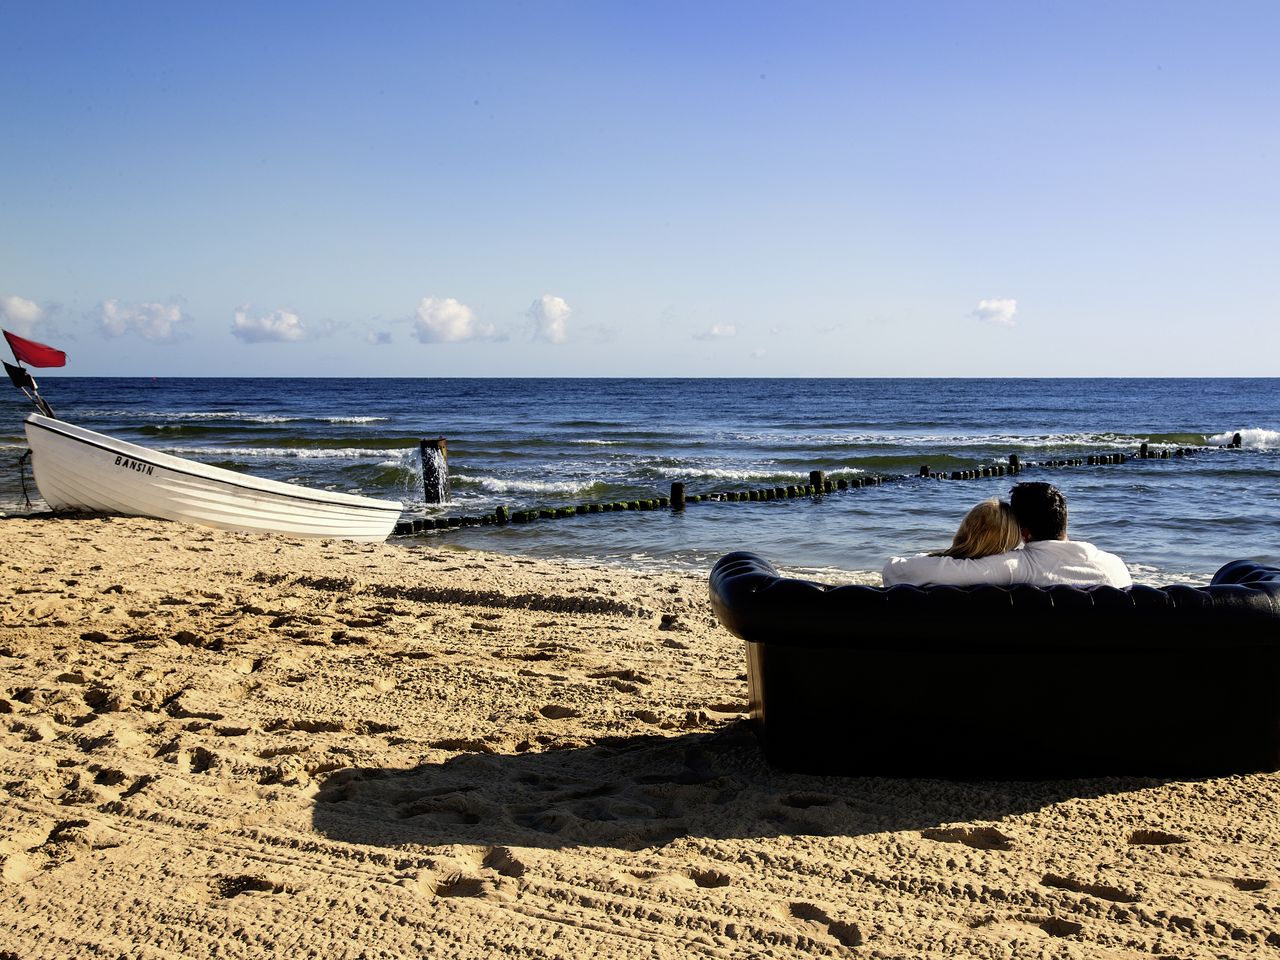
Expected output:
(548, 443)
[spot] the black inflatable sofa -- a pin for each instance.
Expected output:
(1009, 682)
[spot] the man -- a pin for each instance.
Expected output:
(1046, 557)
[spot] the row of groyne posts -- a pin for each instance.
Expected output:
(435, 484)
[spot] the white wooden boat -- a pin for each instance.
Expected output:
(78, 469)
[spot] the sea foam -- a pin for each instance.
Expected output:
(1253, 438)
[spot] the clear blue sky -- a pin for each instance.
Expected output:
(643, 189)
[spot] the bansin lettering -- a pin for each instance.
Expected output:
(135, 465)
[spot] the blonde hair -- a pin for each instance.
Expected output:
(988, 528)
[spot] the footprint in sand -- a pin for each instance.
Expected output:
(1052, 926)
(623, 687)
(556, 711)
(104, 700)
(457, 885)
(735, 708)
(846, 934)
(979, 838)
(1249, 884)
(503, 862)
(109, 777)
(186, 638)
(709, 879)
(1057, 927)
(67, 840)
(200, 760)
(691, 879)
(624, 681)
(1100, 890)
(451, 809)
(803, 801)
(344, 639)
(138, 786)
(535, 657)
(480, 875)
(1154, 838)
(305, 726)
(544, 821)
(628, 676)
(234, 886)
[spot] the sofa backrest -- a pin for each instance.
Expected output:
(1241, 606)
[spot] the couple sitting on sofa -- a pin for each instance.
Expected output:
(1022, 541)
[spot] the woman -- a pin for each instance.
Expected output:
(987, 529)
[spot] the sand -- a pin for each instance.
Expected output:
(218, 744)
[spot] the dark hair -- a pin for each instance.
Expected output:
(1041, 510)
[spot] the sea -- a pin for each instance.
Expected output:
(550, 443)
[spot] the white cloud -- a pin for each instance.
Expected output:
(378, 337)
(549, 314)
(448, 321)
(998, 311)
(278, 326)
(157, 322)
(20, 314)
(717, 331)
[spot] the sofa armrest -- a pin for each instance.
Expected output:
(752, 600)
(1248, 572)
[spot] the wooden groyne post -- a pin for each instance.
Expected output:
(435, 469)
(677, 496)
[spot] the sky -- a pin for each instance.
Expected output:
(851, 189)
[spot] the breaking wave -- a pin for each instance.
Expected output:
(714, 473)
(220, 416)
(1252, 438)
(301, 453)
(496, 485)
(935, 441)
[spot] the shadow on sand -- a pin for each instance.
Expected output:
(635, 792)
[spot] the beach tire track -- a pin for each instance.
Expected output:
(684, 920)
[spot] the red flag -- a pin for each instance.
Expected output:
(36, 354)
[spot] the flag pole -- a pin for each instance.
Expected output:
(23, 379)
(27, 384)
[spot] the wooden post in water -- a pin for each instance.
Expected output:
(677, 496)
(435, 469)
(1236, 441)
(817, 480)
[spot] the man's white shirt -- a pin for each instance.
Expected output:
(1043, 563)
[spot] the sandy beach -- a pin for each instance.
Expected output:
(219, 744)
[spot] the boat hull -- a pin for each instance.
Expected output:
(78, 469)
